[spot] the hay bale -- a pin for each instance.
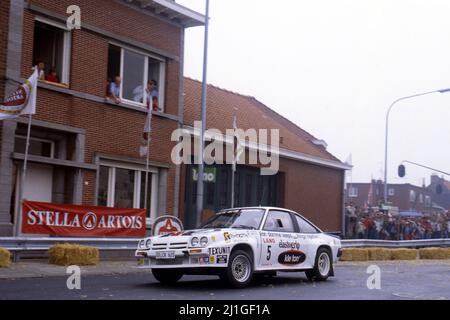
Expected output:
(434, 253)
(404, 254)
(72, 254)
(379, 254)
(354, 254)
(5, 258)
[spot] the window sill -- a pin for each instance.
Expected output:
(56, 84)
(140, 109)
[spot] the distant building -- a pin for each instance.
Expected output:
(440, 191)
(406, 197)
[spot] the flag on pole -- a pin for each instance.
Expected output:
(237, 145)
(146, 137)
(22, 101)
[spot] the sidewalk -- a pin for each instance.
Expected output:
(41, 268)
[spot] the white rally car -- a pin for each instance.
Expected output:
(237, 243)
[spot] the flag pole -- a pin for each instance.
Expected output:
(233, 168)
(19, 211)
(147, 165)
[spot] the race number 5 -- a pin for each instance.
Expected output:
(269, 253)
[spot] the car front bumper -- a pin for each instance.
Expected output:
(147, 259)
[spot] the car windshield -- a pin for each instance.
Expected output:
(239, 219)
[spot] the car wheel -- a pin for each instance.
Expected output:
(323, 266)
(167, 276)
(240, 269)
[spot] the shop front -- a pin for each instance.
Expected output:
(250, 189)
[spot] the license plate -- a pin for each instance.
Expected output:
(165, 255)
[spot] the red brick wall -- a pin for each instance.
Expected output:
(109, 128)
(4, 23)
(315, 192)
(121, 20)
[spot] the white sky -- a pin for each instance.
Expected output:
(333, 67)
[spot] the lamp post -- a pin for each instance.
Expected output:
(201, 166)
(387, 132)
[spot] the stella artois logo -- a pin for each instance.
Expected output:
(17, 101)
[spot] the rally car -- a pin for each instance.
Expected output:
(237, 243)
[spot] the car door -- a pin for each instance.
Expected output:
(280, 246)
(309, 239)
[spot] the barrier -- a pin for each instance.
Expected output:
(24, 244)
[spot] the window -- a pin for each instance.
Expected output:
(421, 198)
(305, 226)
(124, 187)
(38, 147)
(137, 70)
(52, 43)
(391, 191)
(412, 196)
(428, 201)
(279, 221)
(353, 192)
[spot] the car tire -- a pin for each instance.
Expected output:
(239, 272)
(167, 276)
(323, 266)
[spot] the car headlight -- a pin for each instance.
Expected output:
(148, 243)
(194, 242)
(203, 241)
(141, 244)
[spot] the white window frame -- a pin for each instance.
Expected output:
(353, 192)
(138, 188)
(67, 47)
(391, 192)
(412, 196)
(52, 143)
(161, 80)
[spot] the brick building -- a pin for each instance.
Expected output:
(85, 147)
(310, 179)
(440, 191)
(406, 197)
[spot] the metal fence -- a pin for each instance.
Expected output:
(43, 244)
(123, 244)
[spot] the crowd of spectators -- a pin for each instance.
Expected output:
(374, 224)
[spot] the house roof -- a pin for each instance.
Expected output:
(172, 11)
(223, 104)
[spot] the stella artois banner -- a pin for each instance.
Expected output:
(84, 221)
(22, 101)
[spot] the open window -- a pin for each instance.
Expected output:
(51, 50)
(142, 77)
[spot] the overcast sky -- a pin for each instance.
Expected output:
(334, 66)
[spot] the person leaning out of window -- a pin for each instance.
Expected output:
(152, 95)
(114, 90)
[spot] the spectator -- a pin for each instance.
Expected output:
(115, 89)
(152, 94)
(52, 76)
(41, 69)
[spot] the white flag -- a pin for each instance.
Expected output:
(22, 101)
(144, 149)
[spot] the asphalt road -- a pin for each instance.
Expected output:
(413, 280)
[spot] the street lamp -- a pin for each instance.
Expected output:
(387, 132)
(201, 165)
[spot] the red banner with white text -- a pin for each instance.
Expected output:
(83, 221)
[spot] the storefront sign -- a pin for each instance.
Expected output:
(86, 221)
(167, 225)
(209, 175)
